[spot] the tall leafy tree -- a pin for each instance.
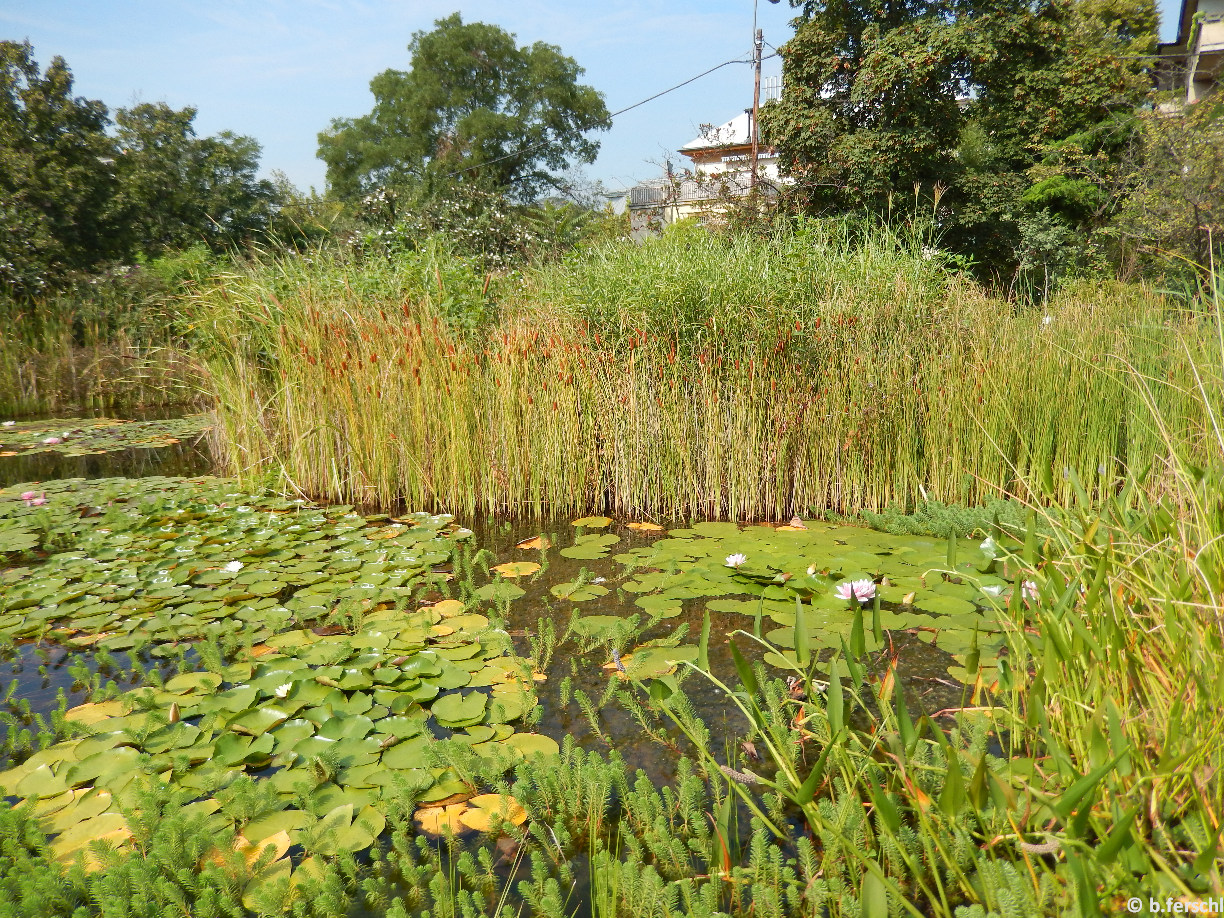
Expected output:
(870, 104)
(972, 94)
(510, 117)
(56, 176)
(175, 188)
(74, 197)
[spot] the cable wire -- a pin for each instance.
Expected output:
(604, 121)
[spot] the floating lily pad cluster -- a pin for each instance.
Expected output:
(90, 436)
(951, 605)
(338, 726)
(162, 560)
(337, 719)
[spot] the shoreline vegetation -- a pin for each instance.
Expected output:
(694, 375)
(113, 343)
(700, 375)
(522, 588)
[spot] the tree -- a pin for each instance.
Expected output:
(55, 174)
(870, 105)
(73, 197)
(971, 94)
(472, 100)
(175, 189)
(1174, 214)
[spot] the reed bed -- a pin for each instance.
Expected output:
(71, 353)
(693, 376)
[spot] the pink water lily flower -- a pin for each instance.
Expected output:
(52, 441)
(861, 590)
(34, 498)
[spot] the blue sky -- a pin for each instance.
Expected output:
(280, 70)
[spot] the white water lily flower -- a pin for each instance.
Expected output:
(282, 691)
(990, 548)
(1029, 589)
(9, 423)
(736, 559)
(233, 567)
(861, 590)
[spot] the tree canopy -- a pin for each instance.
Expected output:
(176, 188)
(883, 95)
(74, 196)
(55, 179)
(473, 100)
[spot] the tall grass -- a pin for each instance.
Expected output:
(1108, 785)
(96, 347)
(690, 375)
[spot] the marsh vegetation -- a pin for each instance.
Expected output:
(301, 690)
(425, 549)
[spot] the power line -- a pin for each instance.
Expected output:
(607, 121)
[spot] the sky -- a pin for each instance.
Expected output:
(281, 70)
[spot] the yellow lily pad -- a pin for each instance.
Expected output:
(447, 607)
(92, 712)
(539, 543)
(107, 827)
(517, 568)
(251, 851)
(487, 809)
(438, 820)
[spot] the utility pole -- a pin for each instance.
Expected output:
(757, 41)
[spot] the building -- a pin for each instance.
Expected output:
(1194, 62)
(719, 169)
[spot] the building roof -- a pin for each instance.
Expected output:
(733, 133)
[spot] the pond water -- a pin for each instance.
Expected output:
(329, 652)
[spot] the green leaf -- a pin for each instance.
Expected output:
(744, 669)
(834, 703)
(802, 654)
(873, 896)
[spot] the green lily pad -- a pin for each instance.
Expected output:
(458, 709)
(578, 591)
(258, 721)
(590, 547)
(500, 591)
(530, 744)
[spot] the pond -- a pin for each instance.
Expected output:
(190, 630)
